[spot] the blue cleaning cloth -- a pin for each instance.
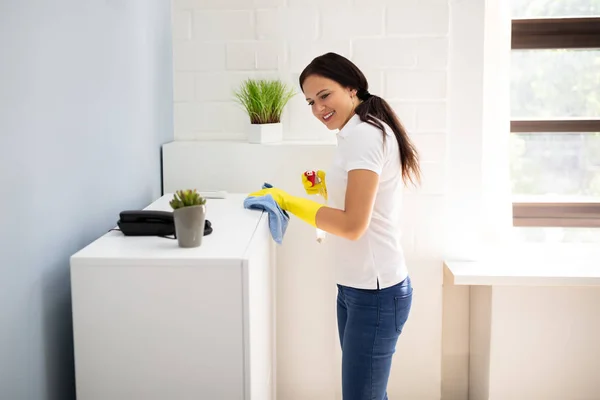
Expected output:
(278, 218)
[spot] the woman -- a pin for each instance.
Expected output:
(373, 159)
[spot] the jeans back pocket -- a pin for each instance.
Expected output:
(402, 306)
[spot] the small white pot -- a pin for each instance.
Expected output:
(265, 133)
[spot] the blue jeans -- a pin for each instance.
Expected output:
(369, 324)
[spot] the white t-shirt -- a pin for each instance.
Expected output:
(377, 256)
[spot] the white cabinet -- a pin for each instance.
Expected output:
(153, 321)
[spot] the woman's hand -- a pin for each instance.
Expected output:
(302, 208)
(314, 183)
(278, 195)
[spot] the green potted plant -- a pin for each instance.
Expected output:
(264, 101)
(189, 215)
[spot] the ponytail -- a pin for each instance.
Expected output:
(373, 110)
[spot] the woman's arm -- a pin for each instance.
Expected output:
(352, 222)
(363, 157)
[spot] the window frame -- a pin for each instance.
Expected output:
(555, 33)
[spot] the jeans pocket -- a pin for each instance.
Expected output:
(402, 305)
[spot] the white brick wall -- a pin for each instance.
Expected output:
(402, 46)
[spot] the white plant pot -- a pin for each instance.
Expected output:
(265, 133)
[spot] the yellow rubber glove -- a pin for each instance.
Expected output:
(319, 186)
(304, 209)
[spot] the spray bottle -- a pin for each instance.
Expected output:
(314, 179)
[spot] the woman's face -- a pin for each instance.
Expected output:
(331, 103)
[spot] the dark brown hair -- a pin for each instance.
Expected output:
(372, 109)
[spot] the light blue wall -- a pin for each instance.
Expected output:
(85, 103)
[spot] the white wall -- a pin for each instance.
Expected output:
(403, 47)
(85, 105)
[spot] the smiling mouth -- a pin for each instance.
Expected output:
(327, 117)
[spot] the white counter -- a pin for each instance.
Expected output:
(531, 265)
(529, 305)
(233, 227)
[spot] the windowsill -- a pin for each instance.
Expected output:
(531, 265)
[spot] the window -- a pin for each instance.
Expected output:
(555, 116)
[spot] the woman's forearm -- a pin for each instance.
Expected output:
(340, 223)
(335, 221)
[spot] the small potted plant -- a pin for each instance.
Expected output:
(264, 101)
(189, 214)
